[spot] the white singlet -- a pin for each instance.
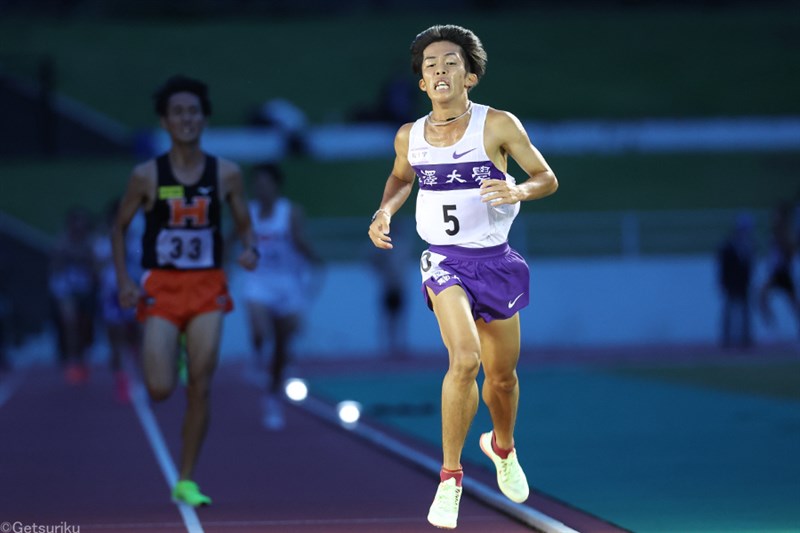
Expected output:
(280, 279)
(449, 206)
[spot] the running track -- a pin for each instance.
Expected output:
(71, 456)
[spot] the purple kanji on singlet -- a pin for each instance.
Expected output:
(456, 176)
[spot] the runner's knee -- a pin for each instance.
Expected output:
(504, 382)
(465, 363)
(159, 390)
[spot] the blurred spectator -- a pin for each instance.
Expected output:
(396, 103)
(277, 292)
(796, 216)
(5, 308)
(781, 258)
(122, 328)
(73, 286)
(4, 365)
(735, 261)
(287, 118)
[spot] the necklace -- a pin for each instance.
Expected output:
(449, 120)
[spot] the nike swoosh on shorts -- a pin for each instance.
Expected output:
(514, 301)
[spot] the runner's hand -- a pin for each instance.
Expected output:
(248, 259)
(379, 230)
(128, 293)
(498, 192)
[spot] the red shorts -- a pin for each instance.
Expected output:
(180, 295)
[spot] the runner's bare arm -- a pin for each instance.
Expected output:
(505, 136)
(299, 237)
(139, 193)
(232, 186)
(395, 193)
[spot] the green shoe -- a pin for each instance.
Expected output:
(186, 491)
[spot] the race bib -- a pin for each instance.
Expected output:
(183, 248)
(429, 267)
(452, 217)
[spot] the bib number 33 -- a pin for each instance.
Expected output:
(185, 249)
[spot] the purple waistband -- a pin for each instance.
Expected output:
(470, 253)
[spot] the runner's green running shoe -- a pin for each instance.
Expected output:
(187, 491)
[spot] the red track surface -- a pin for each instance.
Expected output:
(70, 455)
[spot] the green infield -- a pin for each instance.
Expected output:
(711, 448)
(778, 380)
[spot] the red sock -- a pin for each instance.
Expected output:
(498, 450)
(446, 474)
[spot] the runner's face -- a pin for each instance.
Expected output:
(265, 188)
(184, 120)
(444, 72)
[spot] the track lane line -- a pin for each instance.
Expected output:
(524, 513)
(160, 450)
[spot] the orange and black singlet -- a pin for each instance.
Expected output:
(183, 227)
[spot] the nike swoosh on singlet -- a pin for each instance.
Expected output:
(514, 301)
(456, 155)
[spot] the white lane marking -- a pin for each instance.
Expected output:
(159, 447)
(524, 513)
(230, 524)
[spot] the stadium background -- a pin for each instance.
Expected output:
(77, 76)
(622, 256)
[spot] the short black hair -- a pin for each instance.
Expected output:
(270, 169)
(474, 54)
(181, 84)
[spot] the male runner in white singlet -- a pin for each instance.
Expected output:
(474, 282)
(277, 291)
